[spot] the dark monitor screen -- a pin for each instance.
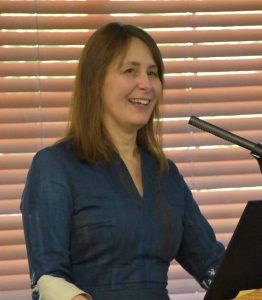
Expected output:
(241, 267)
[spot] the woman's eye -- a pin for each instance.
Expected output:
(130, 71)
(153, 73)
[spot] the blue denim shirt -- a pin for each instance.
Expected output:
(88, 224)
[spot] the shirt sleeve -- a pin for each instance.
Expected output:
(200, 253)
(46, 210)
(53, 288)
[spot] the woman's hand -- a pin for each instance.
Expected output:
(81, 297)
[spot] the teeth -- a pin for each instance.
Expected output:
(139, 101)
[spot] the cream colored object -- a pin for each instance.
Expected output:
(53, 288)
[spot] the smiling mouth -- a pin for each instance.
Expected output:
(141, 101)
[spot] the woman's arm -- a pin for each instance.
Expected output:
(81, 297)
(47, 207)
(200, 253)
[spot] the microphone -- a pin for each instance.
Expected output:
(256, 149)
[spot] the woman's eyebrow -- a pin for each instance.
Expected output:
(137, 64)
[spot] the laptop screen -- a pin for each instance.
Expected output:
(241, 267)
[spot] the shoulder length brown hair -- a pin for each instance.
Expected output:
(92, 142)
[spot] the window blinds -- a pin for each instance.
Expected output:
(212, 54)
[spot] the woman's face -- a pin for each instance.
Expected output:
(131, 89)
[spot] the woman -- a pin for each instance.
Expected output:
(104, 211)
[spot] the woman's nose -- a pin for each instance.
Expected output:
(144, 82)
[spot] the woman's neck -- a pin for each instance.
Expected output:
(125, 144)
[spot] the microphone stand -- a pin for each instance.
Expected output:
(256, 149)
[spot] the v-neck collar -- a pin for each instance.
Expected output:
(121, 181)
(126, 179)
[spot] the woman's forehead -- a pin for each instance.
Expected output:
(135, 53)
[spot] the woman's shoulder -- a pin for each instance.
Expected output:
(58, 153)
(59, 149)
(172, 168)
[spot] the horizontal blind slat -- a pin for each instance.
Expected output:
(46, 53)
(12, 191)
(13, 161)
(213, 94)
(223, 80)
(13, 252)
(226, 197)
(34, 99)
(212, 109)
(206, 139)
(10, 206)
(40, 114)
(10, 222)
(231, 123)
(224, 181)
(25, 145)
(35, 84)
(12, 237)
(171, 82)
(78, 38)
(225, 216)
(214, 168)
(14, 282)
(213, 65)
(69, 68)
(31, 130)
(107, 7)
(205, 154)
(12, 177)
(197, 50)
(148, 21)
(13, 267)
